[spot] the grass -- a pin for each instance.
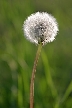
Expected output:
(53, 83)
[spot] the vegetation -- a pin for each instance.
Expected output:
(53, 82)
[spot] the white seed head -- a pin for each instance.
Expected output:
(40, 27)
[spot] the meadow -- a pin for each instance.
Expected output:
(53, 81)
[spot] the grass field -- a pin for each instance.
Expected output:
(53, 82)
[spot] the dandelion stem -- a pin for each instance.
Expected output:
(33, 76)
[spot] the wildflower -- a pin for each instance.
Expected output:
(40, 27)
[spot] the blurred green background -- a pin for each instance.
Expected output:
(53, 82)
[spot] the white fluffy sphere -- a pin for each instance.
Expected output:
(40, 27)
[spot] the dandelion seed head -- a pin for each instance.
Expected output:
(40, 27)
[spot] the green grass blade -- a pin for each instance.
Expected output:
(48, 74)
